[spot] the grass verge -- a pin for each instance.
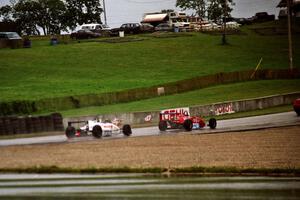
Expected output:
(197, 170)
(220, 93)
(273, 110)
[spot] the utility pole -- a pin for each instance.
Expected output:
(290, 35)
(104, 9)
(224, 23)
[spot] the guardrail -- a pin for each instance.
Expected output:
(204, 110)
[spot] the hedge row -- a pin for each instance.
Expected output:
(71, 102)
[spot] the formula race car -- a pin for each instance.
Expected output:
(180, 118)
(296, 105)
(97, 128)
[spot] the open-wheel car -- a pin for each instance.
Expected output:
(180, 119)
(296, 106)
(97, 128)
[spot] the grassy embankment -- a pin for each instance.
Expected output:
(204, 96)
(94, 67)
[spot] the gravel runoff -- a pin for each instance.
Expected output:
(268, 148)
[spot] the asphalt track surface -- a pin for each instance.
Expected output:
(142, 186)
(223, 126)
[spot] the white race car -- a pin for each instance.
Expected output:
(97, 128)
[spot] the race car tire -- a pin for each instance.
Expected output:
(97, 131)
(127, 130)
(70, 132)
(162, 125)
(212, 123)
(297, 111)
(188, 125)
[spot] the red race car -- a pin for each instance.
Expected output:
(296, 105)
(180, 118)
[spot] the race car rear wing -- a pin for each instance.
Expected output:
(75, 122)
(170, 114)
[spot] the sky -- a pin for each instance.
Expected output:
(124, 11)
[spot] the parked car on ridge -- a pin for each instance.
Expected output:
(84, 34)
(10, 35)
(95, 27)
(10, 40)
(147, 28)
(164, 27)
(128, 28)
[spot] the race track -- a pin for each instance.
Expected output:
(232, 125)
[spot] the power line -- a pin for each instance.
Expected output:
(104, 9)
(148, 2)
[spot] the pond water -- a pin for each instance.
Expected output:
(139, 186)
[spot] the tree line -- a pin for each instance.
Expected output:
(50, 16)
(55, 16)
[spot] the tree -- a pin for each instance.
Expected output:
(217, 10)
(212, 9)
(82, 12)
(6, 13)
(222, 10)
(25, 15)
(30, 15)
(51, 14)
(198, 5)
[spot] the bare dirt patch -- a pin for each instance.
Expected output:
(270, 148)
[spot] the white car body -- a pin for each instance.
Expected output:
(108, 128)
(211, 26)
(95, 27)
(97, 128)
(233, 25)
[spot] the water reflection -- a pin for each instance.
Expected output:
(136, 186)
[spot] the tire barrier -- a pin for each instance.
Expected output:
(31, 124)
(36, 124)
(71, 102)
(57, 122)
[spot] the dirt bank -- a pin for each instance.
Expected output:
(271, 148)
